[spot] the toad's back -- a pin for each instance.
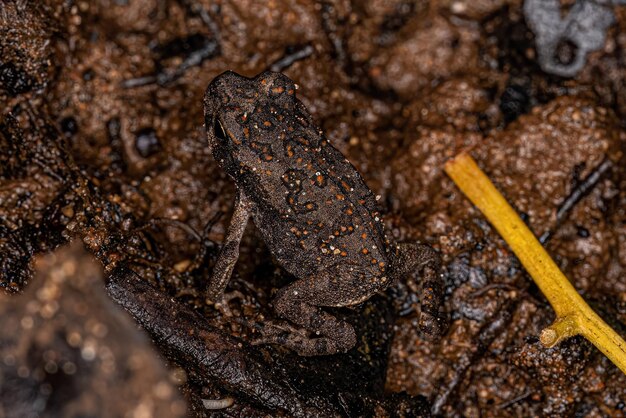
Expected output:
(310, 204)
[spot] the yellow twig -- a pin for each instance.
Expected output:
(574, 316)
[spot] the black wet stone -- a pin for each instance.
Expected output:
(515, 101)
(69, 126)
(147, 143)
(14, 80)
(88, 75)
(582, 232)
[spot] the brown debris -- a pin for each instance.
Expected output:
(67, 350)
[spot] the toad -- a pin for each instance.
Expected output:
(312, 209)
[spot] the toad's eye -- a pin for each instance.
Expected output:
(219, 131)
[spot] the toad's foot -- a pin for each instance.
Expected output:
(223, 305)
(298, 339)
(431, 322)
(277, 332)
(415, 256)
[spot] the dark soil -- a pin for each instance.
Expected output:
(102, 141)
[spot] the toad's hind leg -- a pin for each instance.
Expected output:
(414, 256)
(300, 304)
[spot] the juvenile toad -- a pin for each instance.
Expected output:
(312, 209)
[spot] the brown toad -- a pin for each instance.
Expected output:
(312, 209)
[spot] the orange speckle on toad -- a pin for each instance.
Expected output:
(365, 251)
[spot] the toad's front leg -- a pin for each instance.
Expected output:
(229, 253)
